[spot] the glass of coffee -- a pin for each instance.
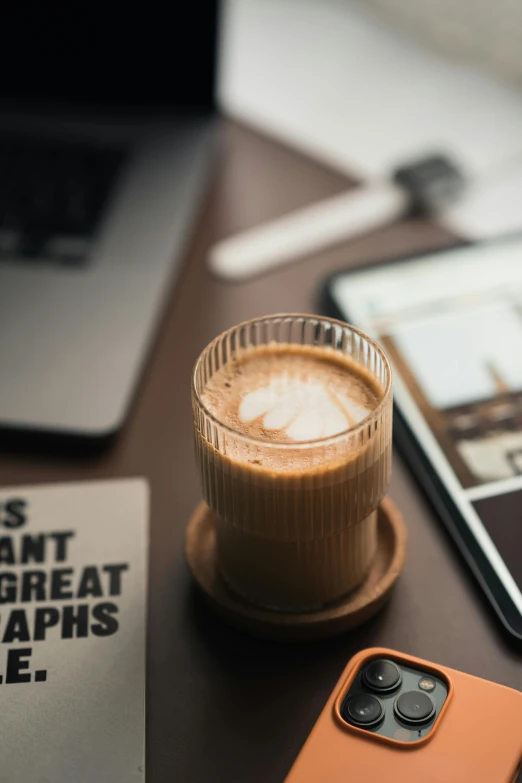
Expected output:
(293, 428)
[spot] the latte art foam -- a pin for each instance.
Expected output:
(291, 393)
(304, 410)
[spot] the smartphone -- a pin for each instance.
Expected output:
(393, 717)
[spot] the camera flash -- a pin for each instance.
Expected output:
(427, 684)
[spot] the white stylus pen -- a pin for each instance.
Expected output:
(418, 187)
(308, 230)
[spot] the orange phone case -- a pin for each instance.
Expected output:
(477, 736)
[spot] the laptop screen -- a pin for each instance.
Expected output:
(147, 57)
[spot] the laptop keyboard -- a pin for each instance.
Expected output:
(51, 198)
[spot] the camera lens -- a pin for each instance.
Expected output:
(414, 707)
(363, 710)
(382, 675)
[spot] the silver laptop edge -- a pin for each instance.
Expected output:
(74, 339)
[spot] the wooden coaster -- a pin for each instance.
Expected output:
(351, 611)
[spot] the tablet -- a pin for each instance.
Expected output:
(451, 323)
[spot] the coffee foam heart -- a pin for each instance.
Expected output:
(291, 393)
(302, 409)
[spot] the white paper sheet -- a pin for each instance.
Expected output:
(351, 91)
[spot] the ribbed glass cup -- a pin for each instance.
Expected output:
(296, 522)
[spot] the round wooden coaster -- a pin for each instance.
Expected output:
(351, 611)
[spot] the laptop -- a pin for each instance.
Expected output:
(105, 141)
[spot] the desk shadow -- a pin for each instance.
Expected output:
(263, 697)
(24, 442)
(235, 650)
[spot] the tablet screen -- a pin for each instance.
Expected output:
(451, 324)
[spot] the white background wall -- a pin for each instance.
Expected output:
(346, 88)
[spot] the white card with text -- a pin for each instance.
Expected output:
(73, 598)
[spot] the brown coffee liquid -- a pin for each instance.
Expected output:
(294, 484)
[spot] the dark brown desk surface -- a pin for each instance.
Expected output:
(222, 706)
